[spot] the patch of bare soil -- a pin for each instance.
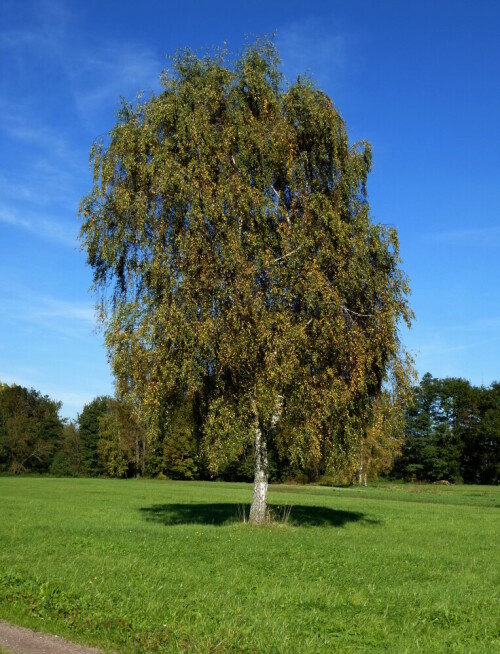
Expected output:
(19, 640)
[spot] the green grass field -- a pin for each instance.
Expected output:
(152, 566)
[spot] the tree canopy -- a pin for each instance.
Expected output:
(231, 242)
(30, 429)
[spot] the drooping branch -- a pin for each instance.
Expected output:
(287, 217)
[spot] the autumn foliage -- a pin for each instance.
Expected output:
(230, 237)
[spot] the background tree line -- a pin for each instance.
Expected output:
(450, 432)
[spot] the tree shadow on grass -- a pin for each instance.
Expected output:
(224, 514)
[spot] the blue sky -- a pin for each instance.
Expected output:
(419, 80)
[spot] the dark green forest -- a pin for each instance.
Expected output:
(451, 434)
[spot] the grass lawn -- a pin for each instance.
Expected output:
(154, 566)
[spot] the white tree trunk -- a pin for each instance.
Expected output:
(367, 468)
(360, 471)
(258, 510)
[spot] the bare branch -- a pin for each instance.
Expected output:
(355, 313)
(289, 254)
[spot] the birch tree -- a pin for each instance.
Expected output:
(236, 262)
(383, 436)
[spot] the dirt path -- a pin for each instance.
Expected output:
(19, 640)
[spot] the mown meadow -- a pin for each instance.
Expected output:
(161, 566)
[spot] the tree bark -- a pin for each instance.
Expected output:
(258, 510)
(360, 471)
(137, 456)
(367, 468)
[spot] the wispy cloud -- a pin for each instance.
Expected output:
(45, 24)
(95, 82)
(58, 315)
(23, 125)
(40, 226)
(22, 376)
(112, 71)
(428, 351)
(480, 325)
(41, 186)
(489, 236)
(315, 47)
(47, 142)
(56, 309)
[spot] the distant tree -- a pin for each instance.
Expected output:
(417, 448)
(452, 433)
(68, 459)
(113, 450)
(122, 441)
(383, 436)
(180, 446)
(88, 431)
(481, 448)
(30, 429)
(455, 414)
(229, 233)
